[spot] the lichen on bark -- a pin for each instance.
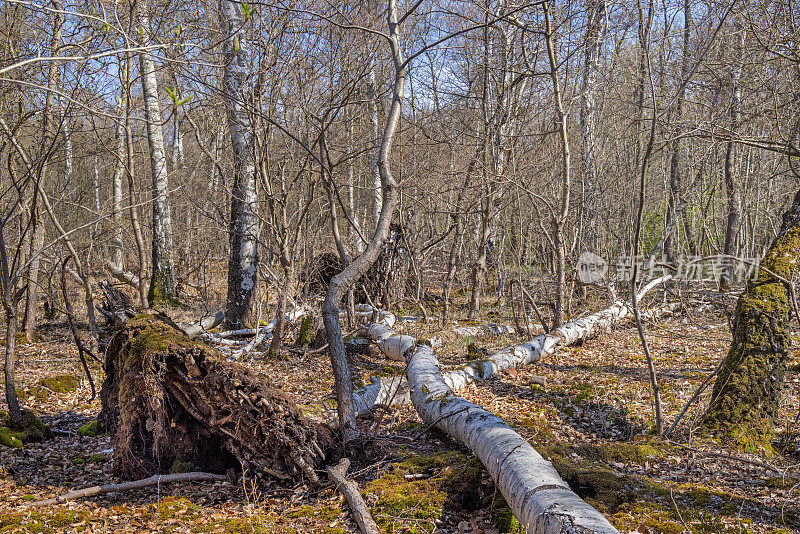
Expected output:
(746, 397)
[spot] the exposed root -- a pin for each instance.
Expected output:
(168, 398)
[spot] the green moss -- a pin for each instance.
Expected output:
(413, 505)
(31, 430)
(78, 461)
(65, 518)
(305, 334)
(179, 466)
(538, 425)
(658, 517)
(325, 513)
(90, 430)
(97, 458)
(8, 438)
(781, 482)
(42, 522)
(265, 524)
(506, 522)
(10, 521)
(746, 393)
(35, 392)
(60, 383)
(170, 507)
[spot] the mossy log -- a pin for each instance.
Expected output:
(747, 391)
(168, 398)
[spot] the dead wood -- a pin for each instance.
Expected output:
(168, 398)
(126, 486)
(361, 514)
(117, 306)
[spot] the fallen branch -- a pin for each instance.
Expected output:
(206, 323)
(338, 474)
(125, 486)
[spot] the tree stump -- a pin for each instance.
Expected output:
(168, 398)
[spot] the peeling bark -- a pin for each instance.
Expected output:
(162, 277)
(395, 390)
(243, 232)
(536, 494)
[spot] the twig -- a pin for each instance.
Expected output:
(728, 457)
(694, 397)
(338, 474)
(441, 418)
(74, 328)
(136, 484)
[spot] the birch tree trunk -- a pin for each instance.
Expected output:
(243, 231)
(395, 390)
(340, 283)
(377, 188)
(162, 277)
(540, 500)
(117, 249)
(595, 29)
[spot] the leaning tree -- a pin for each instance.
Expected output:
(747, 392)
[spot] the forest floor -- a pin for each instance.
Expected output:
(592, 419)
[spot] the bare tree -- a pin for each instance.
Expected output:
(340, 283)
(243, 233)
(162, 276)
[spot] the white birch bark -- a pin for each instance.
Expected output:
(539, 498)
(377, 188)
(490, 329)
(162, 279)
(67, 151)
(243, 233)
(117, 258)
(394, 390)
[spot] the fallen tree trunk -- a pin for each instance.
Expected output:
(167, 398)
(489, 329)
(395, 390)
(540, 500)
